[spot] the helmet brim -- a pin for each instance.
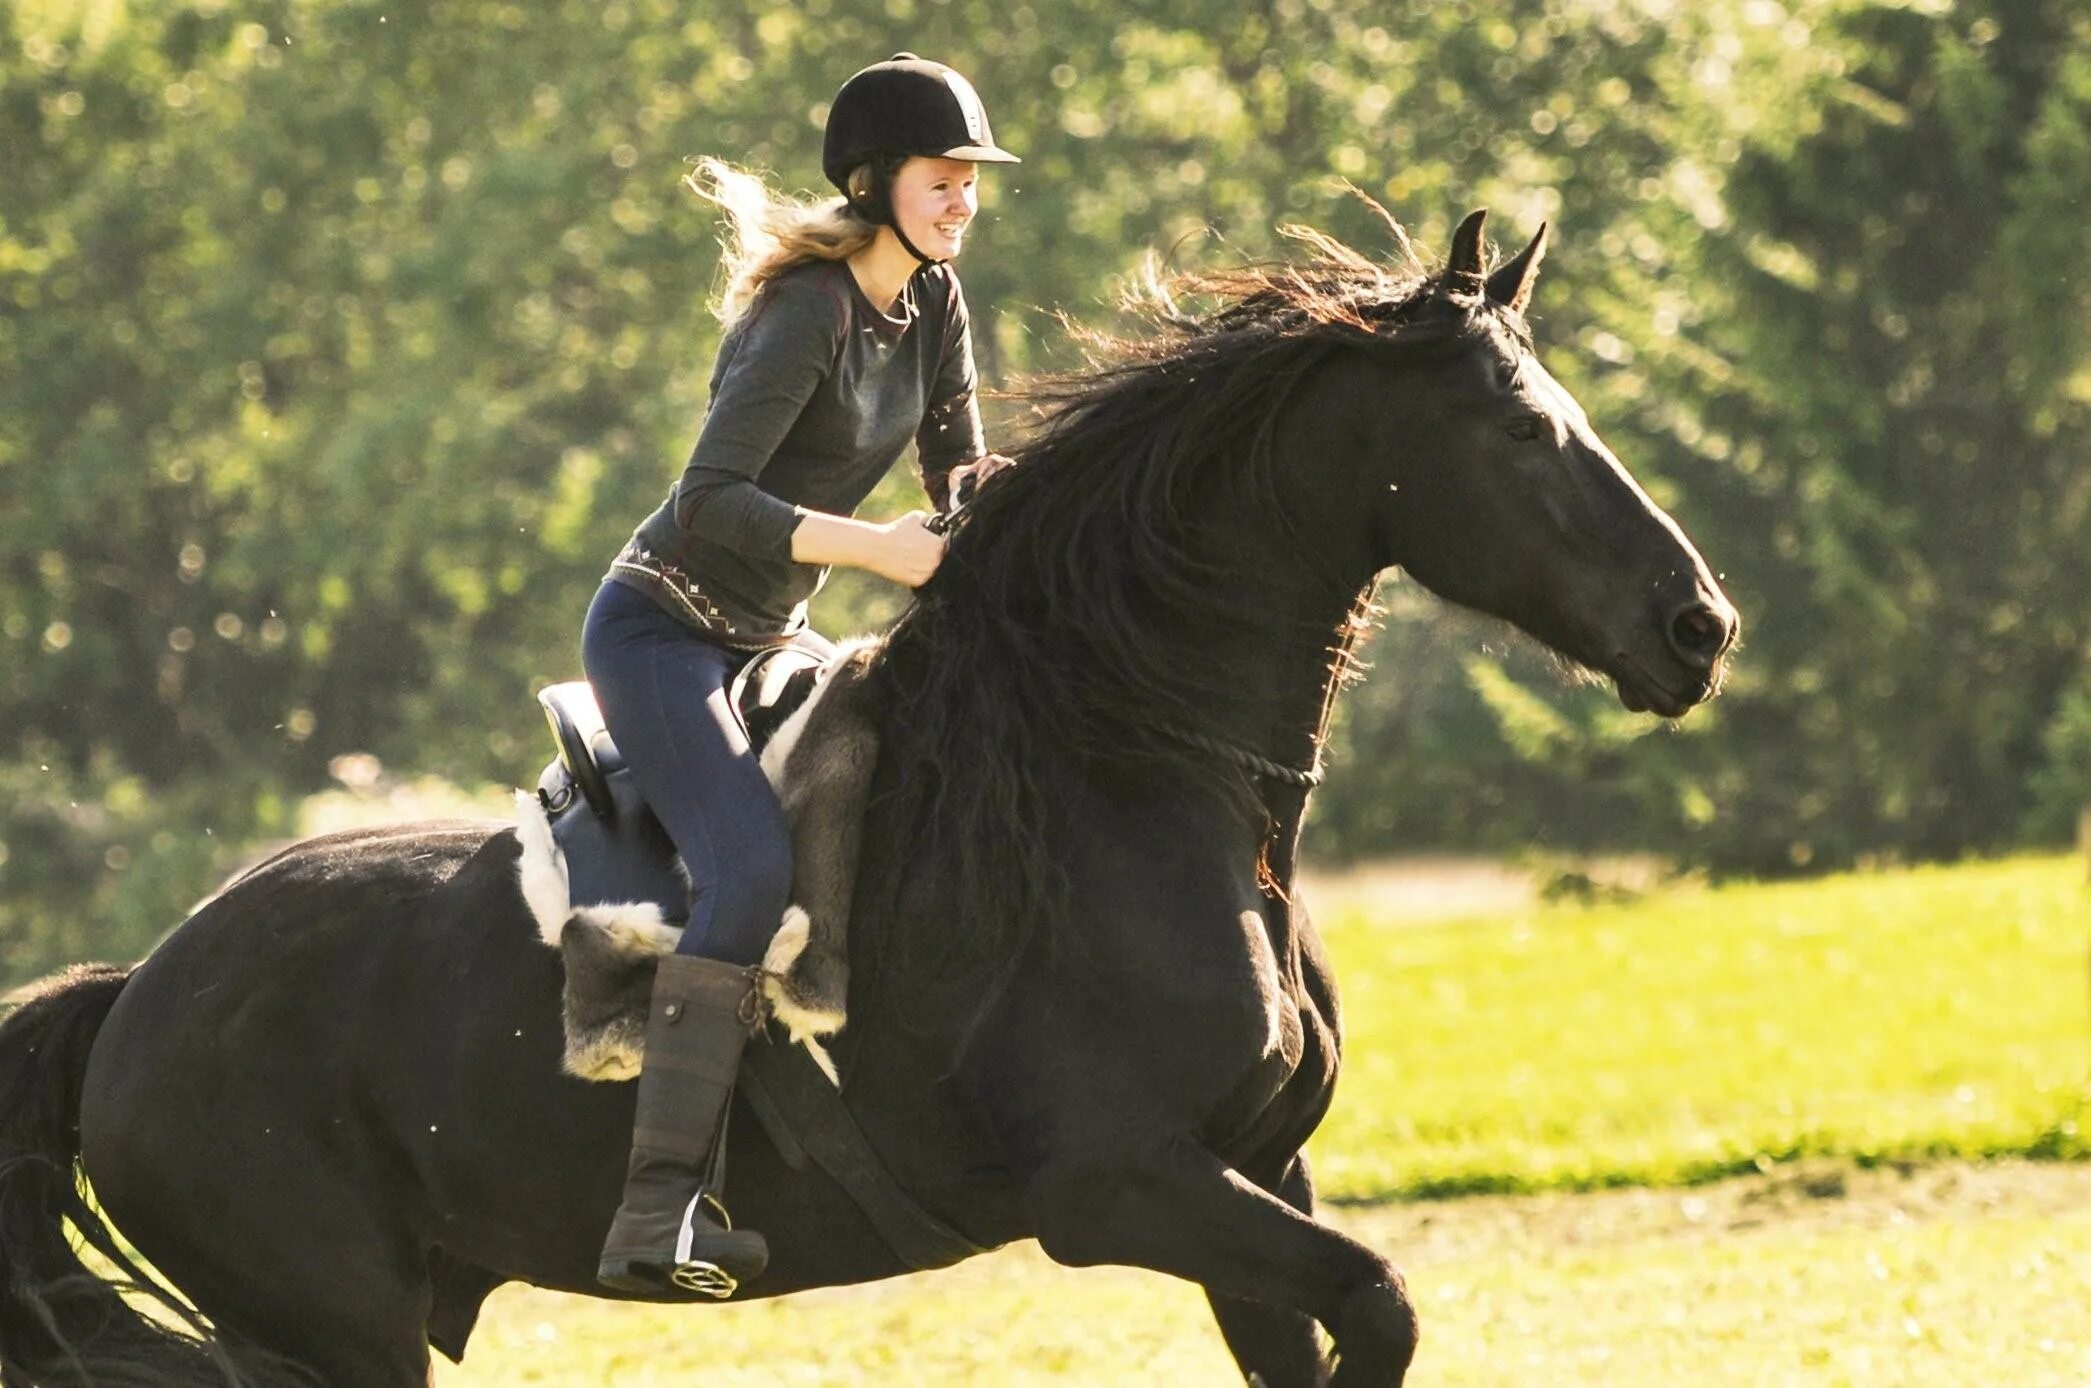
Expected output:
(979, 154)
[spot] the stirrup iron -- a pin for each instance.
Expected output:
(697, 1274)
(705, 1279)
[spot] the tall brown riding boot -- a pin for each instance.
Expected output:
(665, 1236)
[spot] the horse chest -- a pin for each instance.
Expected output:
(1285, 1087)
(1205, 1029)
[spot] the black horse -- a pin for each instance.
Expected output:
(1083, 1006)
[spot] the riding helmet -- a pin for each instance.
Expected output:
(904, 106)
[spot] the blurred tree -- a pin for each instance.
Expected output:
(1893, 363)
(341, 343)
(2063, 786)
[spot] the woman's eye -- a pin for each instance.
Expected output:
(1525, 429)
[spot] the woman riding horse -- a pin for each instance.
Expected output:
(330, 1108)
(847, 336)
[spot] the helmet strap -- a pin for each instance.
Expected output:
(876, 206)
(912, 249)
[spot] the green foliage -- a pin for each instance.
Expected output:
(2064, 785)
(341, 343)
(1895, 317)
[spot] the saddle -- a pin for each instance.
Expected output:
(608, 891)
(616, 851)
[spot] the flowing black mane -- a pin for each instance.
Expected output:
(1071, 620)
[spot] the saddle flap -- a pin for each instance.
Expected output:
(618, 858)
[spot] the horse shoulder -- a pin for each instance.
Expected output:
(1171, 1003)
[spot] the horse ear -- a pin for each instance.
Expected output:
(1463, 270)
(1511, 284)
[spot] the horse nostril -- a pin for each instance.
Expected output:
(1698, 633)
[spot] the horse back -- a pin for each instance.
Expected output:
(330, 953)
(335, 1009)
(367, 1027)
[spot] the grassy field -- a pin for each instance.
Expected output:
(1952, 1275)
(1692, 1034)
(1828, 1032)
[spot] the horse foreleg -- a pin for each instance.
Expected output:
(1176, 1208)
(1275, 1347)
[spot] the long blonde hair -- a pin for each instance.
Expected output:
(768, 232)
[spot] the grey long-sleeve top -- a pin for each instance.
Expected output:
(814, 395)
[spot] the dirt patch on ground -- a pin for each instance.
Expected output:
(1418, 889)
(1401, 891)
(1804, 1197)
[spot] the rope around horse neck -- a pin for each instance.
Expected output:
(1306, 778)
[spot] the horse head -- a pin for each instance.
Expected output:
(1469, 466)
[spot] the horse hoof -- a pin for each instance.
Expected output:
(1375, 1337)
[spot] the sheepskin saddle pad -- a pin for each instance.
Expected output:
(608, 891)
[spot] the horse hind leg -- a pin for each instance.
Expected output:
(305, 1274)
(355, 1324)
(1275, 1346)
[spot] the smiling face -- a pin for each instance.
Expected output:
(934, 201)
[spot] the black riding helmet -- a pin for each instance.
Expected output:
(889, 111)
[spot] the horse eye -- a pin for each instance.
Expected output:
(1524, 428)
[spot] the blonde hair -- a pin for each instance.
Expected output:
(768, 232)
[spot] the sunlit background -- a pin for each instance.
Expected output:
(341, 345)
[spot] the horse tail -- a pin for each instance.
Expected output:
(61, 1324)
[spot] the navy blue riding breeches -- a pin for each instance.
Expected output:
(665, 693)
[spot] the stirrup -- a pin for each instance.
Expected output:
(697, 1274)
(705, 1279)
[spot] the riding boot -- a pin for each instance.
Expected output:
(672, 1231)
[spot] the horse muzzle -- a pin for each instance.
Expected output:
(1688, 667)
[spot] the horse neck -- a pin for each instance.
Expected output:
(1283, 646)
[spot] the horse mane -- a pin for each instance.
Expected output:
(1070, 621)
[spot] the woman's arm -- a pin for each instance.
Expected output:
(904, 550)
(776, 358)
(950, 433)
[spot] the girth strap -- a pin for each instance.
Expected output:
(806, 1116)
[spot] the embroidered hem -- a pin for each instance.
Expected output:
(667, 582)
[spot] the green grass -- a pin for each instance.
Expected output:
(1938, 1012)
(1935, 1012)
(1692, 1034)
(1971, 1296)
(1593, 1290)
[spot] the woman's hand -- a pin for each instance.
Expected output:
(908, 551)
(965, 479)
